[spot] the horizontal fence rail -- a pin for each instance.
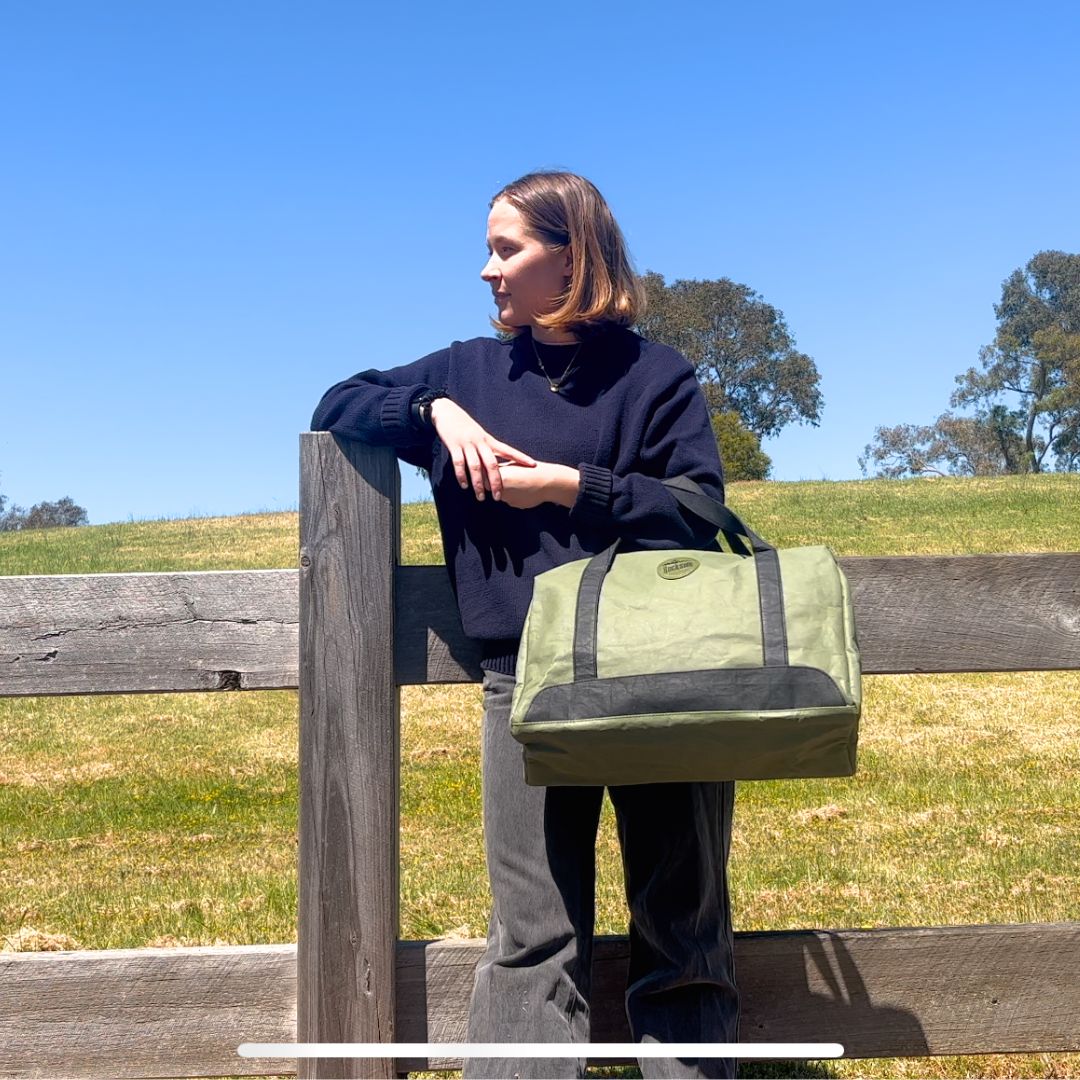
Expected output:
(145, 633)
(882, 993)
(238, 630)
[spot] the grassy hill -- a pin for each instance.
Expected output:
(943, 516)
(134, 820)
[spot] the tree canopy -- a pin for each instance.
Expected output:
(755, 381)
(1026, 397)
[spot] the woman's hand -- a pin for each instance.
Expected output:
(545, 482)
(472, 450)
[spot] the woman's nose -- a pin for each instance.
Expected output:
(487, 273)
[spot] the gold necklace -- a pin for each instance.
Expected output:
(556, 384)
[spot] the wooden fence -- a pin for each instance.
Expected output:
(361, 626)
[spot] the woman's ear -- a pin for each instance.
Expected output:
(568, 262)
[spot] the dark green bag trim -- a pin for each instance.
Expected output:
(733, 747)
(766, 563)
(710, 690)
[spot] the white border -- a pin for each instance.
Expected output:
(744, 1051)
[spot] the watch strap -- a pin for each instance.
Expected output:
(421, 417)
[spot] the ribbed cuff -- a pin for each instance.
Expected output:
(595, 495)
(395, 412)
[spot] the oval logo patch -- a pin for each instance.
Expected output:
(677, 568)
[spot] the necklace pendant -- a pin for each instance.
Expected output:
(554, 389)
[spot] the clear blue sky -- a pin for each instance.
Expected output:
(209, 212)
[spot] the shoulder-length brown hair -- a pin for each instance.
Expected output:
(561, 209)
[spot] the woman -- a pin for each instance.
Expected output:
(542, 449)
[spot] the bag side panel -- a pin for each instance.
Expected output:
(546, 654)
(817, 613)
(854, 659)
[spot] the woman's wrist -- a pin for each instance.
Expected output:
(430, 409)
(567, 486)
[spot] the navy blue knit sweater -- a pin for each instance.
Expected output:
(630, 413)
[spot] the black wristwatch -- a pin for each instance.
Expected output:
(420, 407)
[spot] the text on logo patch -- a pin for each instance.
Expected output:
(677, 568)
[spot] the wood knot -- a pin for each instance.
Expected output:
(228, 680)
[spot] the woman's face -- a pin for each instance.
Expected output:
(525, 277)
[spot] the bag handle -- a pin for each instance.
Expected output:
(700, 502)
(766, 563)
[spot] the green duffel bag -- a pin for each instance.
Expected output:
(657, 666)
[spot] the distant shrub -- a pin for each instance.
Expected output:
(43, 515)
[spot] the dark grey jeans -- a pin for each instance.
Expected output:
(533, 982)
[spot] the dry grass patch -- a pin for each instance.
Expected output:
(987, 1067)
(57, 742)
(30, 939)
(1033, 712)
(441, 721)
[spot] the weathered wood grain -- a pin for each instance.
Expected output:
(966, 612)
(228, 630)
(349, 752)
(902, 992)
(146, 1012)
(145, 633)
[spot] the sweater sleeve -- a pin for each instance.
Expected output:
(373, 406)
(630, 501)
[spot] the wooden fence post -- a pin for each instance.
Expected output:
(350, 515)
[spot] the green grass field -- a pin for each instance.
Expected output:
(170, 819)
